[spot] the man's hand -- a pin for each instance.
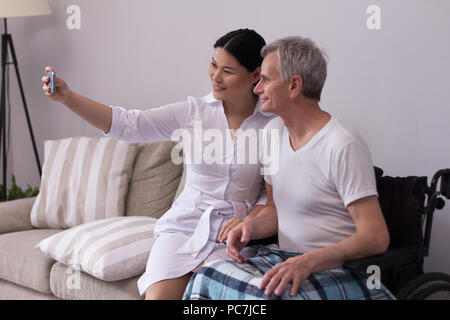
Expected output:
(294, 270)
(237, 240)
(233, 222)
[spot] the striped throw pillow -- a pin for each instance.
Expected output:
(83, 179)
(109, 249)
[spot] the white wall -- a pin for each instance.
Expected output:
(389, 84)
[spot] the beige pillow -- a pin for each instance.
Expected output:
(154, 181)
(83, 179)
(109, 249)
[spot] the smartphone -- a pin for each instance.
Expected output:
(51, 83)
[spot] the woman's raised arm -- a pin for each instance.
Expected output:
(97, 114)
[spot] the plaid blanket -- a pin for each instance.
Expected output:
(229, 280)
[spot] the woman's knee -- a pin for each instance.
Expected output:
(170, 289)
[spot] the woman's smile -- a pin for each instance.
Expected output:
(218, 88)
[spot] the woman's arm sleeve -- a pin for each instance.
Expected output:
(150, 125)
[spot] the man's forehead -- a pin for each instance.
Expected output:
(270, 62)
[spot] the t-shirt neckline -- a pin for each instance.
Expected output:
(311, 141)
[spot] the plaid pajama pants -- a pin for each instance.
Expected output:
(229, 280)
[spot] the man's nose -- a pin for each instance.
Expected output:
(258, 88)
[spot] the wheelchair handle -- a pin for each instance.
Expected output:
(444, 175)
(435, 202)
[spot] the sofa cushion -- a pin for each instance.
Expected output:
(12, 291)
(21, 263)
(108, 249)
(83, 179)
(154, 181)
(70, 284)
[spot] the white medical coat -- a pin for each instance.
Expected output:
(186, 235)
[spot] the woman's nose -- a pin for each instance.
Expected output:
(217, 76)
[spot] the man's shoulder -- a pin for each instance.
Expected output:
(342, 135)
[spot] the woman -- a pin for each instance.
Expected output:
(216, 196)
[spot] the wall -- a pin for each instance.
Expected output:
(389, 84)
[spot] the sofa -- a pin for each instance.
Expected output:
(28, 273)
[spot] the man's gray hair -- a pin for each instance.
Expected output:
(300, 56)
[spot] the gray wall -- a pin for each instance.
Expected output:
(389, 84)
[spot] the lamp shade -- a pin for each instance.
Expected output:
(23, 8)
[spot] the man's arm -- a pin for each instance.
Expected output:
(233, 222)
(265, 223)
(371, 237)
(262, 225)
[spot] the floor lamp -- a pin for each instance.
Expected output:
(9, 9)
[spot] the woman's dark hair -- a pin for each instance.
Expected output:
(245, 45)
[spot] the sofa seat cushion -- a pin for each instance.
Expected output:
(12, 291)
(21, 263)
(71, 284)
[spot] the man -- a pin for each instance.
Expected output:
(322, 202)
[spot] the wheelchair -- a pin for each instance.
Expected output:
(408, 204)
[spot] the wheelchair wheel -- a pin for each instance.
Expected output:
(428, 286)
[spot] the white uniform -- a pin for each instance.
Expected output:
(316, 183)
(187, 234)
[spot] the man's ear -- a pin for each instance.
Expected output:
(296, 85)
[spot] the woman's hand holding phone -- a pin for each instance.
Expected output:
(61, 89)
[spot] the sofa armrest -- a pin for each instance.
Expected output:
(15, 215)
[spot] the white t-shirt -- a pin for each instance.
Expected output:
(313, 186)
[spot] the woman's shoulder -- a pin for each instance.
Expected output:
(275, 123)
(209, 99)
(196, 103)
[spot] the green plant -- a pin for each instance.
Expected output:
(16, 192)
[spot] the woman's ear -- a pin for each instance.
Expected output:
(256, 75)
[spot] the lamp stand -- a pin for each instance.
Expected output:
(7, 42)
